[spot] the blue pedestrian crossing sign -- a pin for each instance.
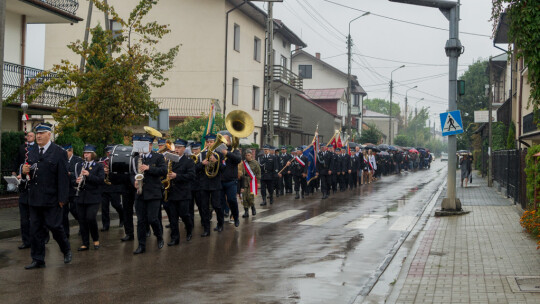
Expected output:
(451, 123)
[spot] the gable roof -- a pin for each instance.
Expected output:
(369, 113)
(327, 94)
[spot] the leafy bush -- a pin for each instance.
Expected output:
(500, 134)
(68, 136)
(10, 145)
(530, 219)
(511, 139)
(192, 128)
(404, 140)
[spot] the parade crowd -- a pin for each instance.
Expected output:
(54, 183)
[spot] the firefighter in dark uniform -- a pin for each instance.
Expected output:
(287, 178)
(24, 210)
(298, 168)
(345, 169)
(72, 161)
(325, 165)
(48, 191)
(112, 191)
(148, 201)
(90, 181)
(335, 169)
(195, 187)
(269, 169)
(128, 198)
(210, 187)
(229, 178)
(275, 152)
(355, 165)
(179, 196)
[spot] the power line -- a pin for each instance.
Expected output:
(404, 21)
(322, 17)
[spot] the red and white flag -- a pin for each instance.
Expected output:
(253, 183)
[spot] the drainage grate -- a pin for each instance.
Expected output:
(524, 283)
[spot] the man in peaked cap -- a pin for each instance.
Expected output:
(269, 169)
(285, 182)
(48, 191)
(72, 161)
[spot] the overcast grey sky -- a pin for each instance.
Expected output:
(323, 26)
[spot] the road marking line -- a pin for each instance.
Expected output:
(403, 223)
(321, 219)
(364, 222)
(280, 216)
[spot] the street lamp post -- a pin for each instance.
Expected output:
(390, 109)
(349, 45)
(453, 49)
(406, 116)
(416, 122)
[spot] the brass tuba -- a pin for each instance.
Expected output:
(211, 170)
(240, 125)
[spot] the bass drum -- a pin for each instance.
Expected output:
(121, 159)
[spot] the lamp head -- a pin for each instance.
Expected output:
(24, 106)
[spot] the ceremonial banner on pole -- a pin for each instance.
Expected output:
(210, 124)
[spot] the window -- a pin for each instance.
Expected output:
(256, 97)
(283, 104)
(283, 61)
(257, 49)
(235, 87)
(237, 37)
(115, 27)
(356, 100)
(304, 71)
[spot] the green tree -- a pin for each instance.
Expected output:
(371, 135)
(115, 87)
(511, 139)
(381, 106)
(474, 99)
(524, 19)
(192, 128)
(404, 140)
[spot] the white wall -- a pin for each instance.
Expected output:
(12, 44)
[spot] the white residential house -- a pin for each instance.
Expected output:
(319, 75)
(221, 57)
(20, 13)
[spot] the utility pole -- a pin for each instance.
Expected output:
(490, 141)
(86, 34)
(406, 92)
(2, 40)
(269, 77)
(390, 109)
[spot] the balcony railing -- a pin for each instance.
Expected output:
(184, 107)
(284, 120)
(529, 125)
(68, 6)
(16, 75)
(284, 75)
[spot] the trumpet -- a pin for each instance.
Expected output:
(140, 175)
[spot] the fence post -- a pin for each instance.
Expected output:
(507, 173)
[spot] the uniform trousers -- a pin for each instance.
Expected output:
(179, 209)
(24, 212)
(248, 198)
(128, 201)
(195, 199)
(342, 180)
(300, 181)
(228, 197)
(114, 199)
(267, 185)
(334, 181)
(353, 178)
(147, 213)
(287, 179)
(326, 183)
(88, 222)
(211, 197)
(71, 206)
(50, 217)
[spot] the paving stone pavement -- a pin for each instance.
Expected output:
(466, 259)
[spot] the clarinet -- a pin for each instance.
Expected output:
(79, 185)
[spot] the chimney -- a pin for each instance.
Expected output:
(318, 55)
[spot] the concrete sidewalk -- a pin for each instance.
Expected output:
(473, 258)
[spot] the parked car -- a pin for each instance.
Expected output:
(444, 156)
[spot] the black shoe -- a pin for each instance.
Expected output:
(127, 238)
(96, 246)
(297, 196)
(160, 243)
(148, 234)
(246, 213)
(205, 234)
(47, 239)
(302, 195)
(168, 226)
(277, 194)
(218, 228)
(325, 196)
(24, 246)
(139, 250)
(121, 224)
(225, 214)
(104, 229)
(271, 200)
(35, 265)
(253, 211)
(263, 203)
(237, 222)
(82, 248)
(189, 236)
(173, 242)
(67, 257)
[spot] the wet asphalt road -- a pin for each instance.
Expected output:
(297, 251)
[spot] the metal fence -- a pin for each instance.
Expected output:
(508, 171)
(16, 75)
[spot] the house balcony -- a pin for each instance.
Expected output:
(16, 75)
(285, 79)
(283, 120)
(180, 108)
(45, 11)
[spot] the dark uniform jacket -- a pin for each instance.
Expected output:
(75, 160)
(21, 155)
(23, 188)
(325, 162)
(207, 183)
(151, 189)
(283, 159)
(92, 186)
(296, 168)
(49, 179)
(269, 166)
(185, 173)
(345, 163)
(355, 164)
(230, 170)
